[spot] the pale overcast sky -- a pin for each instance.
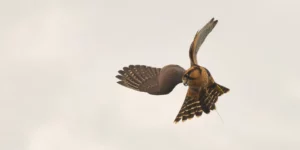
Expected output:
(59, 59)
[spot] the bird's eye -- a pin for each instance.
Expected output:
(187, 77)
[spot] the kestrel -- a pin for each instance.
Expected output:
(203, 91)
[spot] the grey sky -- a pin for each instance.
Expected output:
(58, 61)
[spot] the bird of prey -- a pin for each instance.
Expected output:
(203, 91)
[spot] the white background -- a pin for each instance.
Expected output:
(59, 59)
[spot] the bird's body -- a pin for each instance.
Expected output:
(203, 91)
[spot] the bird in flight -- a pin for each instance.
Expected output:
(203, 90)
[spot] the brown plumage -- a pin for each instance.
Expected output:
(155, 81)
(203, 91)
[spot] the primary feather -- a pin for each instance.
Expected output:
(199, 39)
(156, 81)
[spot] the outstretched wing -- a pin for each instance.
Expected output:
(198, 101)
(199, 39)
(155, 81)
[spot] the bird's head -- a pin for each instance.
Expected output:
(192, 76)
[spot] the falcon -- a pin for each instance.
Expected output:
(203, 90)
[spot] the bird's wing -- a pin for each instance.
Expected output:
(190, 107)
(198, 101)
(156, 81)
(199, 39)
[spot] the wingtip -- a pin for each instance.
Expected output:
(177, 120)
(121, 72)
(119, 77)
(212, 20)
(215, 22)
(121, 83)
